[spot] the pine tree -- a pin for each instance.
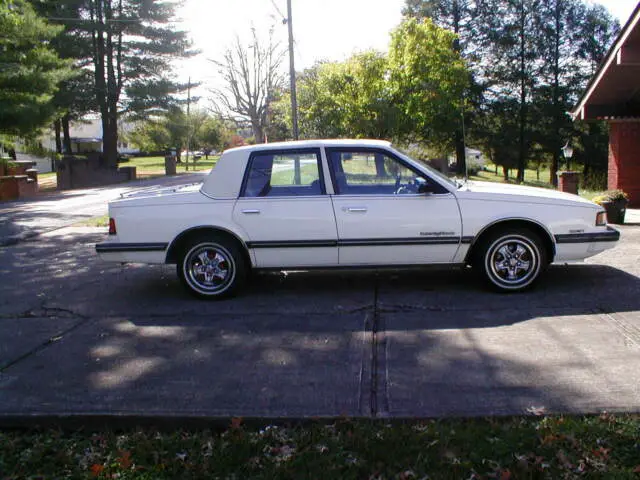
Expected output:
(30, 70)
(127, 45)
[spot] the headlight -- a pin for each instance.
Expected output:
(601, 219)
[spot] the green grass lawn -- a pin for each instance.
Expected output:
(154, 166)
(604, 446)
(530, 177)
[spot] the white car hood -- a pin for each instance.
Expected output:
(520, 193)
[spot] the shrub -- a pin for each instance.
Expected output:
(611, 196)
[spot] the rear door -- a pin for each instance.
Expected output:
(285, 210)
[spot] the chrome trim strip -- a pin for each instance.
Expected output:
(611, 235)
(364, 242)
(130, 247)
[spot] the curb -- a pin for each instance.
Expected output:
(161, 421)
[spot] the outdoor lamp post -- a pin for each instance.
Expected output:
(567, 151)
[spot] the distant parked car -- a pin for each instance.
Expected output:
(348, 203)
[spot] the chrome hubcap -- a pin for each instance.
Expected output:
(209, 268)
(513, 261)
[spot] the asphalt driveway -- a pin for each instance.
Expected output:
(78, 336)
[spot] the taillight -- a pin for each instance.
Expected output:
(601, 219)
(112, 226)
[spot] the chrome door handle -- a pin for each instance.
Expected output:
(357, 209)
(251, 212)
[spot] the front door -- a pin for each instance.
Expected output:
(388, 213)
(284, 209)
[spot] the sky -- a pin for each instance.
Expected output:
(323, 29)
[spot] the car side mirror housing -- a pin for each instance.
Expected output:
(424, 188)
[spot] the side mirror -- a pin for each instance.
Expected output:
(424, 188)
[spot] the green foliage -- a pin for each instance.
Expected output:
(428, 79)
(347, 99)
(279, 122)
(162, 133)
(176, 130)
(414, 93)
(30, 70)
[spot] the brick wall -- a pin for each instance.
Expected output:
(624, 158)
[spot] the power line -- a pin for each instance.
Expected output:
(283, 16)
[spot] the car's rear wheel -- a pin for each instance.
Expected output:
(511, 260)
(212, 267)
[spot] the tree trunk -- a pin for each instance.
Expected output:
(381, 172)
(505, 171)
(57, 127)
(258, 132)
(558, 111)
(523, 95)
(66, 141)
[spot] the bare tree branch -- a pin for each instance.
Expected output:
(250, 75)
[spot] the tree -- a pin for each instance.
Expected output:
(127, 45)
(30, 71)
(75, 96)
(348, 99)
(458, 16)
(279, 123)
(596, 31)
(428, 78)
(166, 132)
(497, 133)
(251, 79)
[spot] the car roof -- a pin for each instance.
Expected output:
(314, 143)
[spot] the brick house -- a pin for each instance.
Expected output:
(613, 95)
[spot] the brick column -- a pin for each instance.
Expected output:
(568, 182)
(624, 158)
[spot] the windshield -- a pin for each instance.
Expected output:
(430, 169)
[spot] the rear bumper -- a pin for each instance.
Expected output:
(132, 252)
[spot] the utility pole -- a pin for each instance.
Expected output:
(186, 162)
(292, 75)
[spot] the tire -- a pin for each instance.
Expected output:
(512, 260)
(212, 267)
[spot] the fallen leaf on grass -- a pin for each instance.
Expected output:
(124, 460)
(601, 452)
(96, 469)
(548, 439)
(505, 474)
(637, 469)
(236, 422)
(564, 460)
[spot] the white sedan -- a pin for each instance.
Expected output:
(348, 203)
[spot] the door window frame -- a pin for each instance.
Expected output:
(283, 151)
(390, 154)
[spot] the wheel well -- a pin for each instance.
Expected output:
(533, 226)
(179, 243)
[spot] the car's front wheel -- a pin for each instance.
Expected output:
(512, 260)
(212, 267)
